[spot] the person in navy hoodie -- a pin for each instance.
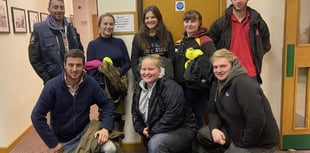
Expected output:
(68, 98)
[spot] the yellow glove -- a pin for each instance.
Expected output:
(107, 60)
(191, 54)
(187, 63)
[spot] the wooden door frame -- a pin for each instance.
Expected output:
(294, 55)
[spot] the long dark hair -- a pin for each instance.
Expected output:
(161, 31)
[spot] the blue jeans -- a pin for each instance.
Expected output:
(70, 146)
(172, 141)
(197, 100)
(233, 149)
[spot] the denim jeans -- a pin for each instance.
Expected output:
(172, 141)
(70, 146)
(233, 149)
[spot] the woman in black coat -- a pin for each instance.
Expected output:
(159, 110)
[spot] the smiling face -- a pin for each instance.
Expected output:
(191, 26)
(74, 68)
(106, 26)
(57, 10)
(150, 70)
(150, 20)
(192, 21)
(221, 68)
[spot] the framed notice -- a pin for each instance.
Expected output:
(125, 22)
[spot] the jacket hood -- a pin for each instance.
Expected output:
(51, 23)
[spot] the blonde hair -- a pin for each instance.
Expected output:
(223, 53)
(154, 57)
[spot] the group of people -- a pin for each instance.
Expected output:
(215, 71)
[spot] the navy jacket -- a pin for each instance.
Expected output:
(46, 49)
(69, 113)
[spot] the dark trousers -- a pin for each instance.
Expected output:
(197, 100)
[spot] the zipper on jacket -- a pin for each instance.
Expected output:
(74, 110)
(58, 43)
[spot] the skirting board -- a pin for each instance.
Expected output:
(132, 147)
(18, 140)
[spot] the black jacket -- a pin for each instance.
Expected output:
(167, 109)
(206, 45)
(220, 32)
(244, 111)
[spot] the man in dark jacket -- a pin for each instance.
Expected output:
(240, 116)
(243, 31)
(68, 98)
(50, 40)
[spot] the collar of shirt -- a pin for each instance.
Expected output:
(246, 18)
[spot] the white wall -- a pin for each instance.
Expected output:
(273, 14)
(19, 85)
